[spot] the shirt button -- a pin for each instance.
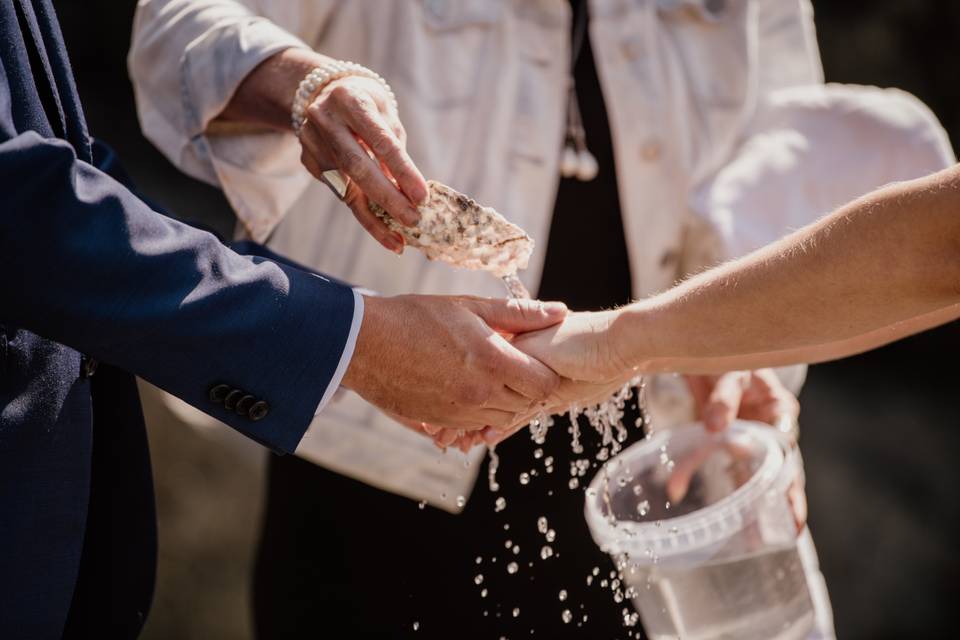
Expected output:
(258, 411)
(715, 7)
(230, 402)
(437, 8)
(669, 259)
(218, 393)
(651, 150)
(244, 404)
(631, 49)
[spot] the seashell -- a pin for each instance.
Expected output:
(455, 229)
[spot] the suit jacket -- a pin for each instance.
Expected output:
(90, 273)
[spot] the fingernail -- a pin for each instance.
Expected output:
(554, 307)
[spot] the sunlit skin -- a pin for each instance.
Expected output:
(883, 267)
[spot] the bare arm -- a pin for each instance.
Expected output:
(884, 266)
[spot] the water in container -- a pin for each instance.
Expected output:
(705, 535)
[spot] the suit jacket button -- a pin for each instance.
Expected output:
(258, 411)
(244, 404)
(230, 402)
(218, 393)
(88, 367)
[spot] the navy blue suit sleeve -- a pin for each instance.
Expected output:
(86, 263)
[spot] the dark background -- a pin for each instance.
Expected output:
(880, 431)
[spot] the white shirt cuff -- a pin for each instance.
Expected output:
(347, 354)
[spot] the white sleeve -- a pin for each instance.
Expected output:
(187, 58)
(347, 354)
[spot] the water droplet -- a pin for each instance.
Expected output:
(637, 489)
(542, 525)
(422, 504)
(551, 535)
(666, 505)
(508, 544)
(524, 478)
(483, 593)
(574, 483)
(674, 530)
(516, 611)
(478, 579)
(516, 549)
(596, 571)
(563, 595)
(461, 501)
(512, 567)
(546, 552)
(500, 504)
(538, 453)
(416, 626)
(566, 616)
(643, 507)
(479, 559)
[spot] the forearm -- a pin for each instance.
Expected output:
(92, 267)
(884, 266)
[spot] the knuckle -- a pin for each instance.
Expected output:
(340, 93)
(384, 146)
(319, 116)
(355, 164)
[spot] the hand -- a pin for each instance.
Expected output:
(581, 348)
(352, 126)
(445, 360)
(350, 119)
(750, 395)
(568, 393)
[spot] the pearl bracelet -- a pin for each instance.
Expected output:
(323, 75)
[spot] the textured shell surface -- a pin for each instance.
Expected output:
(455, 229)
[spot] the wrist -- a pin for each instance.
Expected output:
(629, 338)
(265, 97)
(357, 370)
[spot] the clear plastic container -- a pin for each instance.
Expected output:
(702, 528)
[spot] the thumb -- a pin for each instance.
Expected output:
(724, 403)
(519, 316)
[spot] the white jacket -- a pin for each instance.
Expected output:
(724, 137)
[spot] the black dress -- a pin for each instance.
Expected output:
(337, 554)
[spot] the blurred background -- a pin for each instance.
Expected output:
(881, 432)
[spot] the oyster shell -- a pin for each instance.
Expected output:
(455, 229)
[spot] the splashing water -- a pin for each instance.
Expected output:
(492, 469)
